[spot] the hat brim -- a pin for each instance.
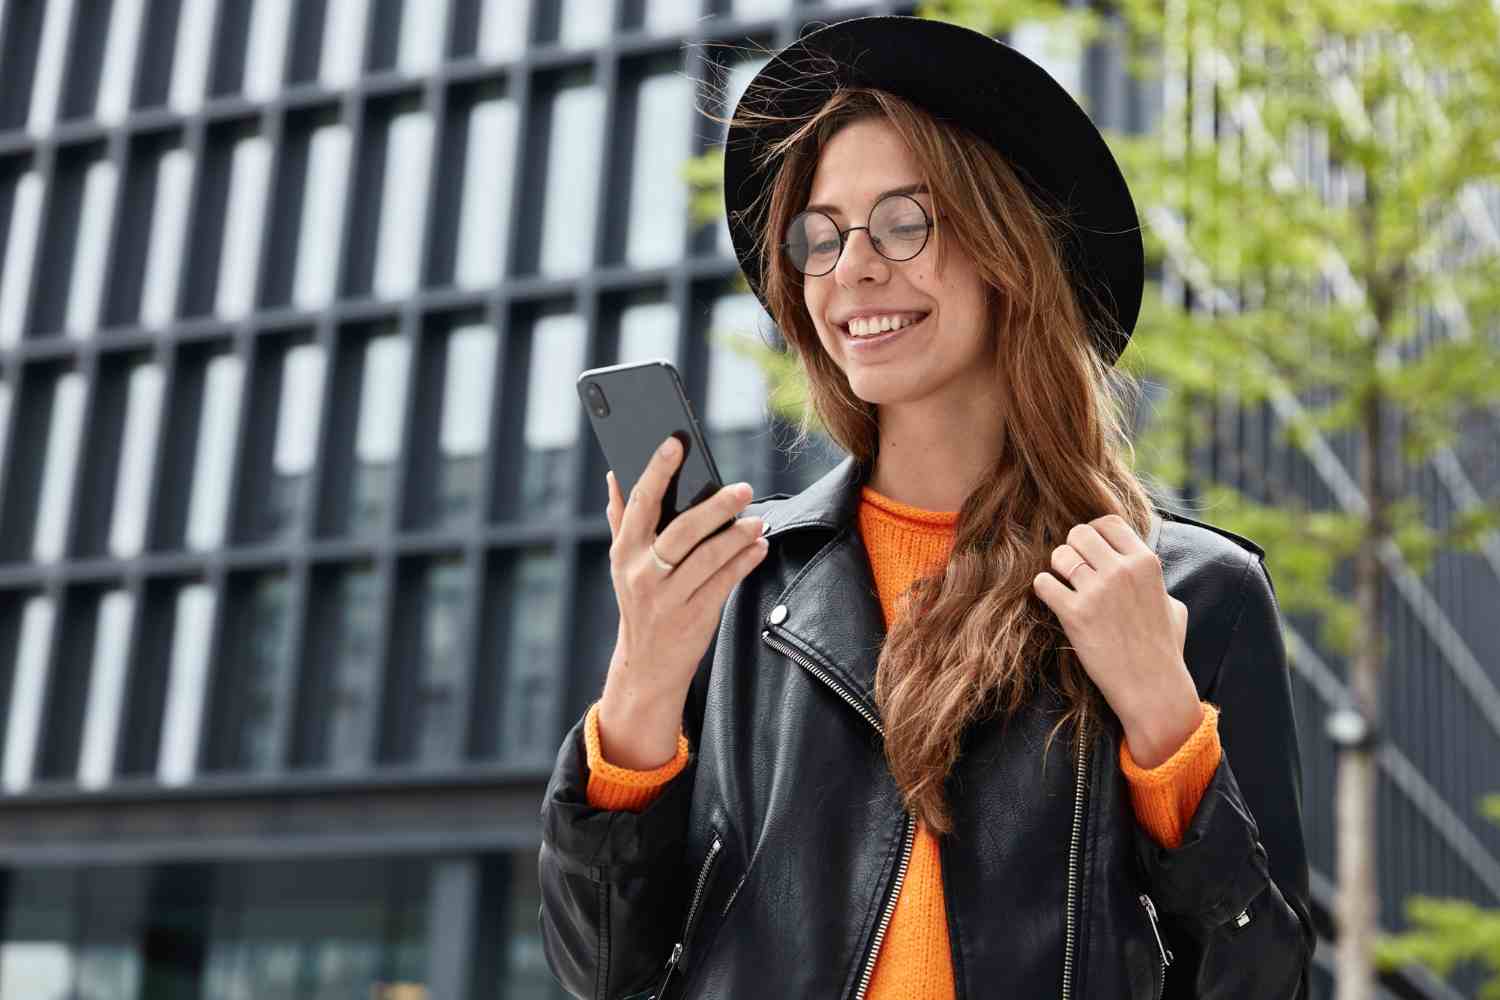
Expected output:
(959, 75)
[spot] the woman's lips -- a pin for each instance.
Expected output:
(861, 345)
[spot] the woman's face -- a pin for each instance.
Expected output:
(943, 355)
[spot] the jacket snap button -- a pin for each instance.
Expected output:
(778, 614)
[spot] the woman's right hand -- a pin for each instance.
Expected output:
(667, 619)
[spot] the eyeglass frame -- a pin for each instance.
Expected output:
(844, 234)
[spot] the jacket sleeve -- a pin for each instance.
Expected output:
(1233, 896)
(613, 884)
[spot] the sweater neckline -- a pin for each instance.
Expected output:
(907, 514)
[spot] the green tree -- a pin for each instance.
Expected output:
(1316, 305)
(1448, 931)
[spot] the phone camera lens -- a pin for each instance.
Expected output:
(596, 400)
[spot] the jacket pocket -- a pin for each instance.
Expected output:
(708, 870)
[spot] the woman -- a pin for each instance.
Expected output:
(819, 763)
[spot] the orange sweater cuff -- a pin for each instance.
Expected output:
(1165, 797)
(614, 787)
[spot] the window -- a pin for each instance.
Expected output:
(648, 330)
(429, 675)
(759, 8)
(341, 667)
(52, 55)
(574, 152)
(583, 23)
(28, 691)
(168, 230)
(36, 955)
(343, 927)
(239, 263)
(484, 221)
(735, 422)
(187, 682)
(59, 468)
(213, 458)
(533, 667)
(344, 25)
(122, 40)
(423, 25)
(253, 696)
(665, 16)
(403, 205)
(5, 403)
(468, 391)
(377, 443)
(552, 414)
(265, 49)
(438, 722)
(106, 693)
(298, 409)
(20, 256)
(658, 191)
(318, 240)
(503, 28)
(195, 22)
(89, 258)
(127, 531)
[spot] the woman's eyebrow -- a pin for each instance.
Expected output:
(908, 189)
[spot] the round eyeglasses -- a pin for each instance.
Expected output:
(898, 227)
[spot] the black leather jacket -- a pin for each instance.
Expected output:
(771, 864)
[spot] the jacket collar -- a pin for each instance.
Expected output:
(830, 611)
(831, 502)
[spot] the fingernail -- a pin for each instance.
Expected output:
(765, 526)
(668, 447)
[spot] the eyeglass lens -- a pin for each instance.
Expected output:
(898, 228)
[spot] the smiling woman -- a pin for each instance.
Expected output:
(859, 798)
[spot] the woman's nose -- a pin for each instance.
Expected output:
(853, 263)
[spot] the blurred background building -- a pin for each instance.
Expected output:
(303, 560)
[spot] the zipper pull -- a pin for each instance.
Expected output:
(661, 987)
(1166, 953)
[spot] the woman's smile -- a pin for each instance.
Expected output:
(862, 346)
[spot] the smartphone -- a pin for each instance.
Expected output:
(633, 408)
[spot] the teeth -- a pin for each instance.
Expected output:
(869, 326)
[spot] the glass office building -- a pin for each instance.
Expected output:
(303, 563)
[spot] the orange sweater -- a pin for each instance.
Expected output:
(914, 960)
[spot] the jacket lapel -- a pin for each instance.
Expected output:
(831, 611)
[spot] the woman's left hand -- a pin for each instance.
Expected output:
(1128, 632)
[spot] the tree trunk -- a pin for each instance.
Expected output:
(1357, 914)
(1357, 908)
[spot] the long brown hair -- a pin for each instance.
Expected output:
(972, 638)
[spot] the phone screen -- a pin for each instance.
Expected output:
(634, 408)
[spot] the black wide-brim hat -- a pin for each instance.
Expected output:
(963, 76)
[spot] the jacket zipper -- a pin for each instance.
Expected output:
(890, 907)
(1073, 846)
(885, 919)
(1166, 953)
(687, 926)
(907, 837)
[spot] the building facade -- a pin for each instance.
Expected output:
(303, 562)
